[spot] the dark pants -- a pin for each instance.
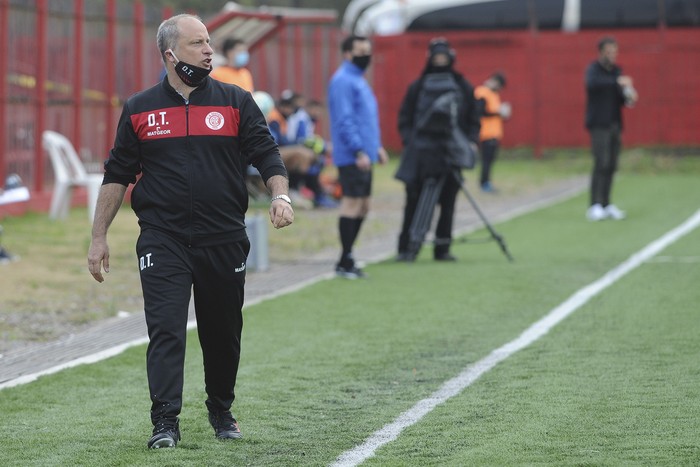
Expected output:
(170, 271)
(605, 144)
(443, 230)
(489, 149)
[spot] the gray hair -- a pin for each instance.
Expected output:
(169, 33)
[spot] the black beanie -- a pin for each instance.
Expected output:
(439, 46)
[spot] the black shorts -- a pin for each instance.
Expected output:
(355, 183)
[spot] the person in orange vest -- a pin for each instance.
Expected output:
(235, 71)
(493, 112)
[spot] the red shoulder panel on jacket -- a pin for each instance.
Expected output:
(214, 121)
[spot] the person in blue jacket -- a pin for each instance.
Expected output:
(357, 146)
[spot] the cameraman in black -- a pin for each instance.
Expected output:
(439, 126)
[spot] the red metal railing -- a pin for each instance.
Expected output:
(86, 58)
(70, 66)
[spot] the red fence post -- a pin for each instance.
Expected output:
(283, 60)
(78, 74)
(3, 89)
(139, 23)
(110, 84)
(262, 82)
(40, 90)
(317, 84)
(298, 60)
(537, 94)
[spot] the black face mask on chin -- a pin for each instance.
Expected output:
(191, 75)
(361, 61)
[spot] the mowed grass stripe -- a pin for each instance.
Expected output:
(615, 384)
(470, 374)
(325, 367)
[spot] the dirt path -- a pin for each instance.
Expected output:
(110, 336)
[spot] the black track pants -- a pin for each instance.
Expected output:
(606, 145)
(170, 271)
(489, 150)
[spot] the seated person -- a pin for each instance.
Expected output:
(6, 256)
(301, 129)
(297, 158)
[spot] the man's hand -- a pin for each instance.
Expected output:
(383, 156)
(281, 213)
(363, 162)
(624, 81)
(108, 202)
(98, 254)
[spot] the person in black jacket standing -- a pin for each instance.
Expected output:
(427, 135)
(191, 139)
(607, 91)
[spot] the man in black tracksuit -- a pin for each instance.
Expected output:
(607, 91)
(426, 155)
(191, 139)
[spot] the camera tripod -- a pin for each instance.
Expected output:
(429, 195)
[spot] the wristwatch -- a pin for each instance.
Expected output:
(282, 197)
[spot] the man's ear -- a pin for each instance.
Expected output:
(170, 56)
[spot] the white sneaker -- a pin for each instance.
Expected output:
(596, 213)
(614, 213)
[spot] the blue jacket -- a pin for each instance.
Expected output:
(354, 116)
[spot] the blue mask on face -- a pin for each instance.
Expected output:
(241, 59)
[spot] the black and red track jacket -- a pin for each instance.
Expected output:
(192, 157)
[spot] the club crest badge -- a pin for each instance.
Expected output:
(214, 120)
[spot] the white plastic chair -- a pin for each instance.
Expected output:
(69, 172)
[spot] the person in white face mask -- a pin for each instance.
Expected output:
(235, 71)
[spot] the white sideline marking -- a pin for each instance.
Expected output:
(117, 349)
(471, 373)
(87, 359)
(93, 358)
(113, 351)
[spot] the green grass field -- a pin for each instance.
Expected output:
(323, 368)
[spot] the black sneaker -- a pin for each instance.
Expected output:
(166, 434)
(406, 257)
(225, 426)
(352, 272)
(6, 257)
(445, 257)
